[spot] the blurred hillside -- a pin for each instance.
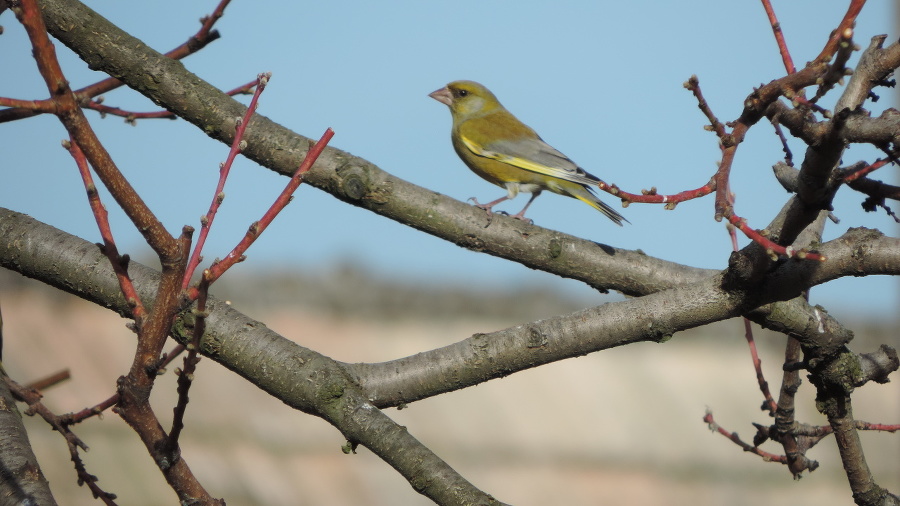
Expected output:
(618, 427)
(347, 290)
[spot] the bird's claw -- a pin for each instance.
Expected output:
(487, 209)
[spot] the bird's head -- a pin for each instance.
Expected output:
(466, 98)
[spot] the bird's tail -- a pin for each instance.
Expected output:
(587, 195)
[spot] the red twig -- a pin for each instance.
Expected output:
(195, 42)
(38, 106)
(652, 197)
(715, 427)
(131, 116)
(876, 426)
(843, 32)
(119, 262)
(71, 116)
(693, 85)
(772, 248)
(224, 170)
(49, 381)
(724, 202)
(719, 183)
(769, 402)
(237, 254)
(95, 410)
(754, 354)
(779, 37)
(856, 174)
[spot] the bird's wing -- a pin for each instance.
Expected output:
(534, 155)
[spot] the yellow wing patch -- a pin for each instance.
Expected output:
(523, 163)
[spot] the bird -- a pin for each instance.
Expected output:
(495, 145)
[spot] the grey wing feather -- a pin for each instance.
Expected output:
(544, 158)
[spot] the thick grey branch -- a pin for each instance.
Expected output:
(874, 66)
(244, 345)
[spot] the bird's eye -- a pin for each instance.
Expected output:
(462, 93)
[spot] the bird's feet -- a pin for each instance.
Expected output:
(521, 216)
(487, 208)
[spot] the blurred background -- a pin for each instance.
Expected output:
(600, 81)
(619, 427)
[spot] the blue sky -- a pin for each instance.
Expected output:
(601, 81)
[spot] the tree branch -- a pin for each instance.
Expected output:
(301, 378)
(21, 479)
(244, 345)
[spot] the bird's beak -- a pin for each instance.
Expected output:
(442, 95)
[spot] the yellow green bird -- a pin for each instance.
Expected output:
(503, 150)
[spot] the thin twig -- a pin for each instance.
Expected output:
(779, 38)
(237, 254)
(119, 262)
(50, 381)
(61, 424)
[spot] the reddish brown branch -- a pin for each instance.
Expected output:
(797, 101)
(79, 129)
(119, 263)
(237, 254)
(724, 201)
(134, 389)
(841, 34)
(50, 381)
(729, 142)
(779, 37)
(38, 106)
(693, 84)
(95, 410)
(768, 401)
(773, 249)
(733, 436)
(224, 170)
(131, 117)
(824, 430)
(652, 197)
(856, 173)
(838, 67)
